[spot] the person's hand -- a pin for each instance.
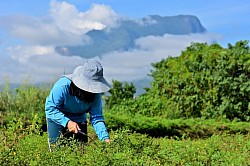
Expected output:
(73, 126)
(107, 141)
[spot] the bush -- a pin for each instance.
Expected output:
(25, 102)
(120, 91)
(205, 81)
(176, 128)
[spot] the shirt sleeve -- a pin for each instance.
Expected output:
(97, 119)
(53, 104)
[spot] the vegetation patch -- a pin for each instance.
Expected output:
(196, 112)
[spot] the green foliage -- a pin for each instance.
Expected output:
(131, 149)
(161, 127)
(154, 128)
(26, 102)
(22, 142)
(119, 92)
(147, 106)
(205, 81)
(217, 150)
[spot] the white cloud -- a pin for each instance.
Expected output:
(64, 26)
(43, 64)
(71, 20)
(38, 31)
(32, 54)
(35, 59)
(136, 64)
(35, 64)
(22, 54)
(172, 44)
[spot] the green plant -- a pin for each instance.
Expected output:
(120, 91)
(204, 81)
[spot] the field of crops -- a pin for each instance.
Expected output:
(136, 140)
(127, 148)
(197, 112)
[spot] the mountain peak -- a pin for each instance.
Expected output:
(122, 38)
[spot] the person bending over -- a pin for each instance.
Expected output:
(71, 98)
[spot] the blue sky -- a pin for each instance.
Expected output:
(22, 50)
(230, 18)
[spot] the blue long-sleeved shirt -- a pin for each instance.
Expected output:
(61, 107)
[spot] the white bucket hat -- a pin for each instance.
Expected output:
(89, 77)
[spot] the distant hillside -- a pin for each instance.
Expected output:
(122, 37)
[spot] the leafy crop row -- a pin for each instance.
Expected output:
(159, 127)
(131, 149)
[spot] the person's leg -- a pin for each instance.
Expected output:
(54, 132)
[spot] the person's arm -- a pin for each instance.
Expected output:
(97, 119)
(53, 104)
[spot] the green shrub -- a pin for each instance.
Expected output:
(204, 81)
(120, 91)
(26, 102)
(160, 127)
